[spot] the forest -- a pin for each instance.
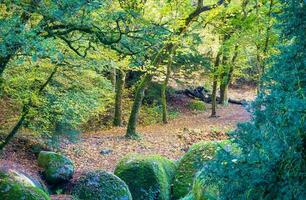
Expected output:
(152, 100)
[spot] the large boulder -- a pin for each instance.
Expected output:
(57, 168)
(15, 185)
(192, 162)
(148, 177)
(200, 190)
(100, 185)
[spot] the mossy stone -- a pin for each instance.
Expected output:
(57, 168)
(191, 163)
(148, 177)
(12, 189)
(100, 185)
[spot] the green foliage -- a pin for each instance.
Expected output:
(272, 160)
(70, 99)
(100, 185)
(192, 162)
(14, 189)
(57, 168)
(148, 177)
(196, 105)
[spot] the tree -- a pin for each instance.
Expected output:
(271, 161)
(40, 31)
(158, 57)
(215, 85)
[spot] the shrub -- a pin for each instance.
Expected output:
(57, 168)
(100, 185)
(148, 177)
(196, 105)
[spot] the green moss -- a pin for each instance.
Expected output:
(148, 177)
(191, 163)
(57, 168)
(188, 197)
(14, 190)
(100, 185)
(197, 105)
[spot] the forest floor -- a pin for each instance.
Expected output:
(171, 140)
(103, 149)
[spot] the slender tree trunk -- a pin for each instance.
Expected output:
(223, 77)
(214, 97)
(131, 128)
(25, 112)
(118, 100)
(215, 85)
(226, 79)
(224, 92)
(14, 131)
(164, 96)
(164, 87)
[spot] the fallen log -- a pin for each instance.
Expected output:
(204, 95)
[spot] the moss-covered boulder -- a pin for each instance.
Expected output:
(57, 168)
(148, 177)
(192, 162)
(100, 185)
(16, 186)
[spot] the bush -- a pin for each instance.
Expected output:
(191, 163)
(16, 187)
(148, 177)
(57, 168)
(100, 185)
(195, 105)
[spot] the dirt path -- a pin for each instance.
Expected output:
(170, 140)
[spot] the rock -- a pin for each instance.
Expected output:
(148, 177)
(191, 163)
(16, 186)
(100, 185)
(57, 168)
(106, 151)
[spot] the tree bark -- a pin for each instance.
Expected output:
(226, 79)
(120, 76)
(223, 76)
(164, 97)
(164, 88)
(215, 85)
(25, 112)
(131, 128)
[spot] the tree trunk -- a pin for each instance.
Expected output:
(164, 88)
(224, 92)
(214, 97)
(164, 97)
(227, 79)
(15, 129)
(215, 85)
(224, 74)
(25, 112)
(118, 100)
(131, 129)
